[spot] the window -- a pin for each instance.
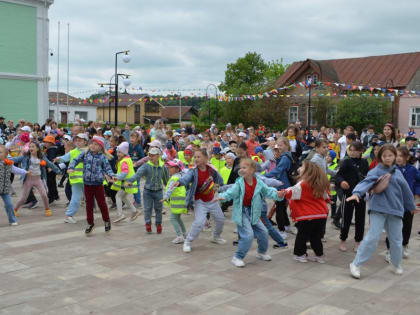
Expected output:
(151, 107)
(137, 108)
(313, 77)
(51, 114)
(293, 114)
(415, 117)
(81, 115)
(312, 118)
(331, 114)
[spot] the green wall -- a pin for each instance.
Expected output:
(18, 99)
(18, 38)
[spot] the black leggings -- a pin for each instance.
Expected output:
(406, 230)
(282, 218)
(310, 230)
(359, 209)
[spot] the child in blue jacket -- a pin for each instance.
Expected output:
(248, 194)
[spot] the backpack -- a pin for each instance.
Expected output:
(292, 172)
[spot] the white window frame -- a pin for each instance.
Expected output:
(77, 114)
(414, 110)
(291, 120)
(331, 115)
(312, 120)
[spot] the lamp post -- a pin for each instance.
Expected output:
(392, 98)
(126, 59)
(215, 88)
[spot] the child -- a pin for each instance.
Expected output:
(136, 153)
(386, 210)
(124, 169)
(187, 157)
(411, 175)
(51, 153)
(248, 195)
(76, 177)
(309, 209)
(95, 164)
(202, 179)
(217, 160)
(259, 155)
(225, 171)
(332, 165)
(37, 163)
(156, 174)
(176, 197)
(352, 171)
(6, 169)
(114, 141)
(170, 151)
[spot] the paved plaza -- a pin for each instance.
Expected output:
(49, 267)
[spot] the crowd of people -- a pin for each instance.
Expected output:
(310, 174)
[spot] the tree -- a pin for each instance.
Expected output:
(362, 111)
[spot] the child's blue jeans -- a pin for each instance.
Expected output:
(152, 200)
(9, 207)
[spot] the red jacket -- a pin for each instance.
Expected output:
(303, 204)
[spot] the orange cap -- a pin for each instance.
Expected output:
(49, 139)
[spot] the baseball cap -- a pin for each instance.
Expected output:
(67, 137)
(217, 150)
(258, 150)
(154, 150)
(26, 128)
(108, 133)
(155, 143)
(197, 142)
(82, 136)
(176, 163)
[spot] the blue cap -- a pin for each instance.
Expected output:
(333, 154)
(258, 150)
(217, 150)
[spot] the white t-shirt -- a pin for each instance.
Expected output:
(35, 166)
(343, 146)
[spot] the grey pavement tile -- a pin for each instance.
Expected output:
(323, 309)
(21, 309)
(210, 299)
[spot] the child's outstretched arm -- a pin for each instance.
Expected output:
(271, 182)
(235, 190)
(18, 171)
(76, 161)
(168, 193)
(142, 171)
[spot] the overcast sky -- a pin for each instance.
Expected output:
(187, 44)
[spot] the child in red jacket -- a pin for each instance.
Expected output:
(308, 207)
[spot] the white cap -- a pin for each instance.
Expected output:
(26, 128)
(67, 137)
(270, 139)
(176, 134)
(154, 150)
(242, 134)
(82, 136)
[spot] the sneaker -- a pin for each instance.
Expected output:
(283, 235)
(281, 245)
(159, 228)
(134, 215)
(27, 205)
(178, 240)
(406, 253)
(187, 247)
(264, 257)
(388, 257)
(398, 270)
(50, 202)
(48, 213)
(323, 240)
(125, 206)
(148, 228)
(107, 226)
(218, 240)
(237, 262)
(34, 205)
(355, 271)
(290, 229)
(302, 259)
(318, 259)
(13, 224)
(113, 206)
(89, 229)
(119, 219)
(70, 220)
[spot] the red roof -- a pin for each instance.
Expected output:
(392, 71)
(172, 112)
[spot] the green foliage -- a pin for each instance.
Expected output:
(275, 69)
(362, 111)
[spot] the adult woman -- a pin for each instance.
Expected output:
(160, 132)
(389, 135)
(284, 162)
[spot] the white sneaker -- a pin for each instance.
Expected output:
(119, 219)
(406, 253)
(70, 220)
(178, 240)
(387, 257)
(34, 205)
(355, 271)
(283, 235)
(264, 257)
(237, 262)
(318, 259)
(291, 229)
(187, 247)
(398, 270)
(13, 224)
(302, 259)
(218, 240)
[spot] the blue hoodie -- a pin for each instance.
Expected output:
(280, 172)
(395, 199)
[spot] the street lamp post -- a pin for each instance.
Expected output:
(126, 59)
(215, 88)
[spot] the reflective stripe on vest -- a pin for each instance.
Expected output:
(77, 176)
(177, 201)
(118, 185)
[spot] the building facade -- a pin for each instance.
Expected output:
(24, 47)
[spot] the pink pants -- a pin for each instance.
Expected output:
(33, 181)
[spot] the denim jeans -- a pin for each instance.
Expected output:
(76, 195)
(152, 200)
(9, 207)
(393, 227)
(137, 196)
(272, 231)
(247, 232)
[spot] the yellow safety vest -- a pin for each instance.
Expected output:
(225, 173)
(332, 167)
(177, 201)
(77, 176)
(259, 160)
(181, 157)
(218, 164)
(118, 185)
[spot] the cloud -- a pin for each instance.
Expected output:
(187, 44)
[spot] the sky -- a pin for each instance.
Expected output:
(186, 45)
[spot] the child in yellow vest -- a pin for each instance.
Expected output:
(125, 169)
(217, 160)
(175, 196)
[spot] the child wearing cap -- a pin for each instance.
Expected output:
(170, 151)
(186, 157)
(156, 174)
(49, 144)
(95, 164)
(176, 198)
(124, 169)
(136, 153)
(217, 160)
